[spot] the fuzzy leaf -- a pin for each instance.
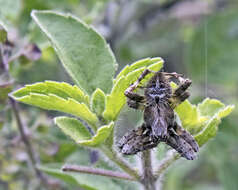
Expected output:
(98, 101)
(73, 128)
(138, 64)
(209, 107)
(56, 96)
(102, 134)
(116, 99)
(226, 111)
(211, 127)
(208, 132)
(78, 132)
(190, 116)
(83, 52)
(203, 120)
(85, 181)
(61, 89)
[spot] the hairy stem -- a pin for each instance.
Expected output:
(114, 157)
(170, 158)
(148, 179)
(97, 171)
(26, 141)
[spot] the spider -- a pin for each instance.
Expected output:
(158, 103)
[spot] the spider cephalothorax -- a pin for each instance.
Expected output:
(159, 124)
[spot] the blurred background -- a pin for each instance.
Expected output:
(196, 37)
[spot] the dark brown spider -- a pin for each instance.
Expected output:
(158, 103)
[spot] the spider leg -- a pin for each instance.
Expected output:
(186, 136)
(137, 140)
(129, 91)
(174, 74)
(135, 100)
(180, 145)
(136, 104)
(185, 83)
(180, 94)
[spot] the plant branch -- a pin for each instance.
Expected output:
(148, 179)
(171, 157)
(114, 157)
(25, 140)
(15, 56)
(3, 62)
(97, 171)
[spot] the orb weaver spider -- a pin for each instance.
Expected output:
(160, 125)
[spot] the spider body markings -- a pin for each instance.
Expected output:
(159, 124)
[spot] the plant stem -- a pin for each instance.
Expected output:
(26, 141)
(171, 157)
(148, 179)
(97, 171)
(4, 60)
(114, 157)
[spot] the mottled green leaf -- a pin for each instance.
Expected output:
(116, 99)
(83, 52)
(56, 96)
(98, 101)
(85, 181)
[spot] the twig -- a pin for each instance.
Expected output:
(171, 157)
(15, 56)
(148, 179)
(25, 140)
(3, 62)
(114, 157)
(97, 171)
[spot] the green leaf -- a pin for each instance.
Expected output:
(209, 131)
(98, 101)
(73, 128)
(102, 134)
(116, 99)
(211, 127)
(3, 32)
(203, 120)
(226, 111)
(61, 89)
(85, 181)
(83, 52)
(56, 96)
(138, 64)
(190, 116)
(79, 133)
(210, 106)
